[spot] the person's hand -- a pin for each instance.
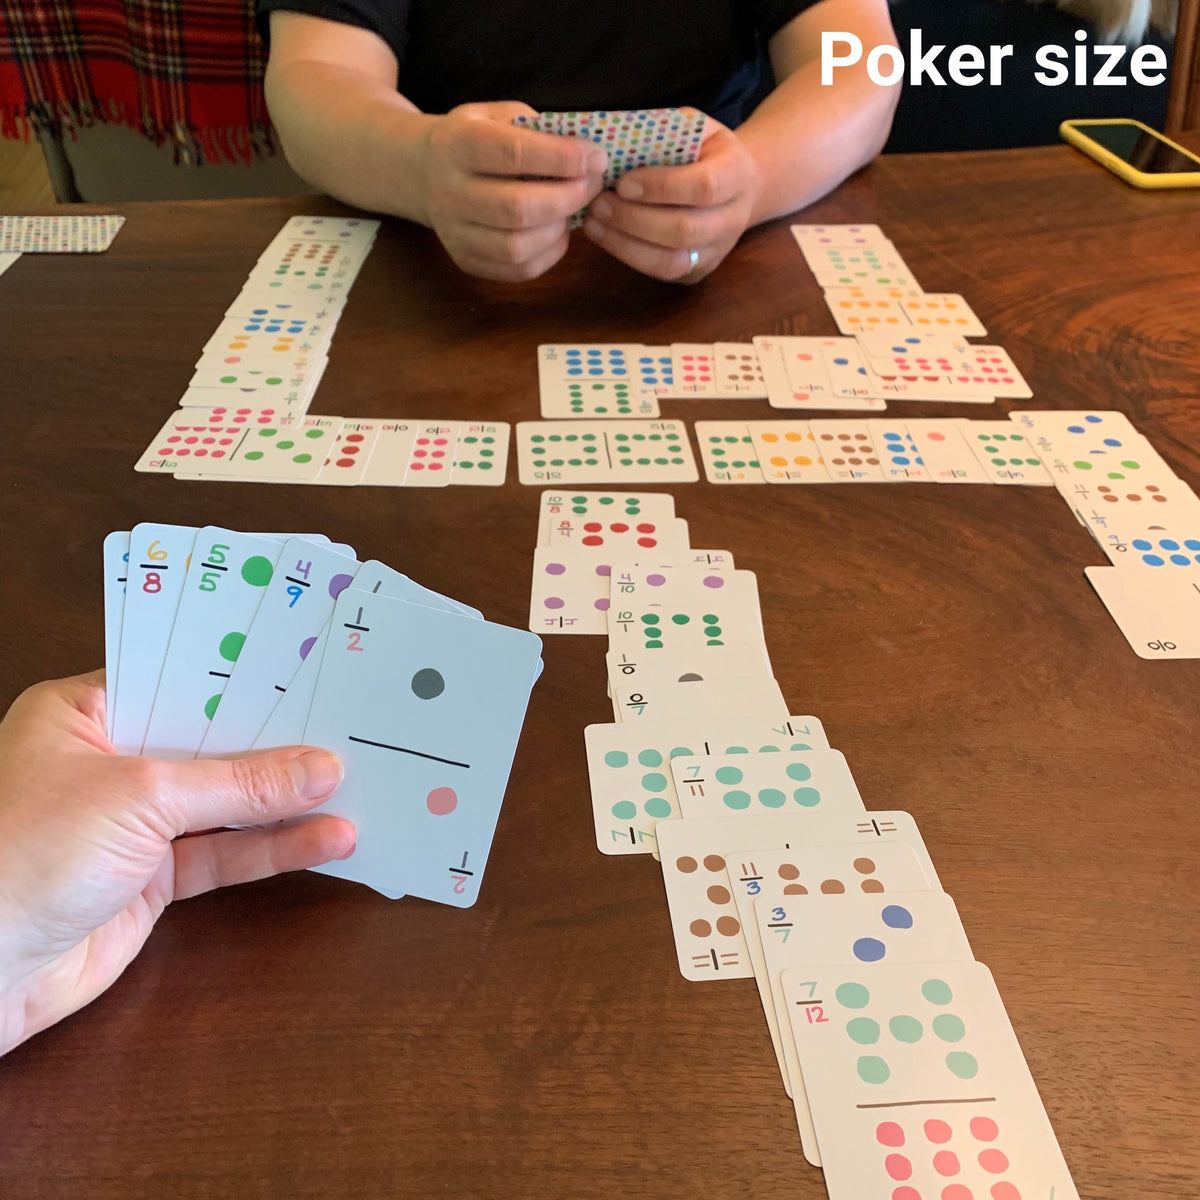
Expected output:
(499, 196)
(88, 851)
(659, 215)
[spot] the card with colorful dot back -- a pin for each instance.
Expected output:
(918, 1086)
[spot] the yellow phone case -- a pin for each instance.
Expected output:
(1073, 132)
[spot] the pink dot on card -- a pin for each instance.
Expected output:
(713, 581)
(183, 453)
(555, 568)
(422, 441)
(418, 466)
(173, 438)
(191, 441)
(436, 466)
(338, 584)
(218, 454)
(354, 437)
(906, 1193)
(601, 605)
(888, 1133)
(554, 602)
(604, 570)
(439, 441)
(897, 1166)
(937, 1131)
(442, 801)
(656, 580)
(420, 453)
(957, 1191)
(1005, 1191)
(994, 1161)
(201, 453)
(307, 645)
(984, 1128)
(945, 1162)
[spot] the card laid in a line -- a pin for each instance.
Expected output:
(594, 381)
(727, 452)
(913, 1074)
(653, 506)
(91, 234)
(756, 696)
(629, 765)
(787, 452)
(271, 454)
(1159, 614)
(582, 452)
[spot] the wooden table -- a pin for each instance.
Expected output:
(304, 1037)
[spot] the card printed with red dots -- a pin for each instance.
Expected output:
(918, 1086)
(906, 925)
(294, 609)
(604, 506)
(604, 538)
(945, 454)
(709, 941)
(424, 708)
(629, 766)
(776, 876)
(273, 454)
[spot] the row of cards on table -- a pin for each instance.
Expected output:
(250, 445)
(627, 380)
(217, 642)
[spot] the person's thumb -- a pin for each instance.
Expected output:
(252, 790)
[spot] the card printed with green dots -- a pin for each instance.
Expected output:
(781, 876)
(754, 696)
(874, 265)
(275, 381)
(727, 452)
(798, 781)
(902, 926)
(575, 507)
(629, 766)
(918, 1086)
(275, 454)
(581, 452)
(226, 579)
(590, 380)
(1005, 453)
(481, 454)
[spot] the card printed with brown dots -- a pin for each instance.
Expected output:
(738, 371)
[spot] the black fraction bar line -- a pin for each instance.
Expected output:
(301, 582)
(405, 750)
(157, 566)
(220, 674)
(364, 628)
(460, 871)
(912, 1103)
(214, 567)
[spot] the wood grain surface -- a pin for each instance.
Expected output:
(304, 1037)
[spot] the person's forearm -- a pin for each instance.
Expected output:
(807, 138)
(359, 141)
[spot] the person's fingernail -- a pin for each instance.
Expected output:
(343, 857)
(629, 188)
(320, 773)
(601, 208)
(593, 229)
(597, 162)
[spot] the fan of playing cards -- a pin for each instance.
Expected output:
(218, 642)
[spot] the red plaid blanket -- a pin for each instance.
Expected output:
(187, 72)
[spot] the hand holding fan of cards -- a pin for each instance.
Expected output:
(219, 641)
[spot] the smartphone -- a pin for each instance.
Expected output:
(1135, 152)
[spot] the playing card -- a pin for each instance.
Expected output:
(1096, 447)
(913, 1074)
(839, 235)
(348, 457)
(227, 575)
(295, 607)
(727, 452)
(629, 767)
(580, 452)
(942, 445)
(803, 931)
(780, 877)
(870, 265)
(990, 369)
(652, 506)
(810, 780)
(269, 338)
(780, 393)
(158, 564)
(604, 538)
(695, 371)
(1151, 549)
(115, 566)
(787, 452)
(90, 234)
(898, 454)
(720, 665)
(424, 708)
(193, 435)
(654, 370)
(481, 454)
(738, 371)
(708, 935)
(1159, 616)
(756, 696)
(592, 381)
(273, 383)
(848, 450)
(255, 303)
(848, 374)
(1005, 453)
(389, 461)
(273, 454)
(864, 313)
(942, 312)
(570, 592)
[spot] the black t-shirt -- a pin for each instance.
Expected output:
(561, 55)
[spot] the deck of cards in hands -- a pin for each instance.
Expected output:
(217, 642)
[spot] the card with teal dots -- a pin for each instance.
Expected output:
(918, 1086)
(897, 926)
(274, 454)
(575, 506)
(563, 453)
(593, 380)
(629, 766)
(791, 782)
(227, 577)
(782, 876)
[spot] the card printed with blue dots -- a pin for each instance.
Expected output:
(899, 457)
(797, 781)
(595, 381)
(918, 1086)
(1093, 447)
(251, 341)
(1162, 551)
(920, 925)
(629, 766)
(785, 876)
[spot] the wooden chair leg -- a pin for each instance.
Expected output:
(58, 166)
